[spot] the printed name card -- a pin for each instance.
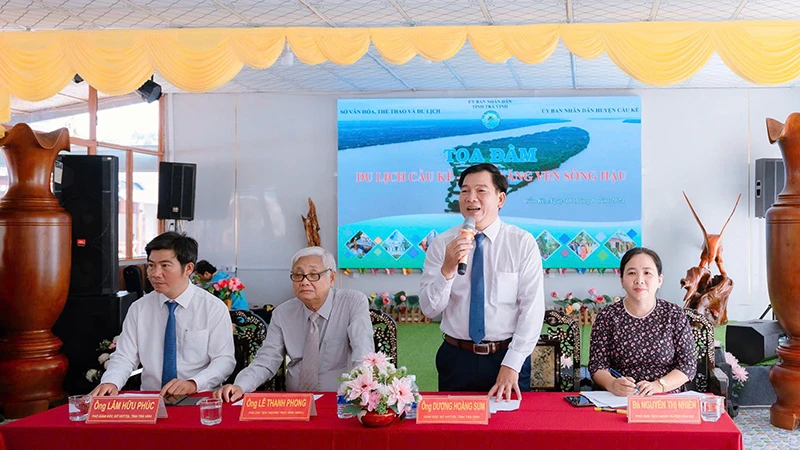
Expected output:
(453, 409)
(295, 407)
(120, 409)
(660, 409)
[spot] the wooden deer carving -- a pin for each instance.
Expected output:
(712, 245)
(707, 294)
(311, 225)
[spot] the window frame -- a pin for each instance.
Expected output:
(92, 144)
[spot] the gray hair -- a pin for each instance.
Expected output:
(327, 259)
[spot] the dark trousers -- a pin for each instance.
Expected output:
(464, 371)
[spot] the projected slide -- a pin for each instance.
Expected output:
(573, 166)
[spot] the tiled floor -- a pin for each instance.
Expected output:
(757, 432)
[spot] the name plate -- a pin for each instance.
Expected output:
(290, 406)
(139, 409)
(664, 410)
(453, 409)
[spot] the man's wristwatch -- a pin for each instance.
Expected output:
(663, 384)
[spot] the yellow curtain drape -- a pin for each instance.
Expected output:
(5, 108)
(37, 65)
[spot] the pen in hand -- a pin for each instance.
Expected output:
(616, 374)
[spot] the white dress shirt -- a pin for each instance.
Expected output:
(345, 337)
(514, 298)
(204, 341)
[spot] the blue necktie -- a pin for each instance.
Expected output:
(169, 370)
(477, 327)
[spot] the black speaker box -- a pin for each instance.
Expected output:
(770, 178)
(84, 322)
(753, 341)
(87, 188)
(176, 183)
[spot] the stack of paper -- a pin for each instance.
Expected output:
(605, 399)
(495, 406)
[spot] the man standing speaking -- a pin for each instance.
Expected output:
(492, 314)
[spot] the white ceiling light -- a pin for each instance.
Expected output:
(287, 59)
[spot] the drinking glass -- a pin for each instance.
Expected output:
(711, 408)
(79, 407)
(210, 411)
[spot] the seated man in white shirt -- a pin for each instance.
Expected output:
(180, 333)
(324, 331)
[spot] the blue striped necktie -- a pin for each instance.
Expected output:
(477, 326)
(169, 370)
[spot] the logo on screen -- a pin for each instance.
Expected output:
(490, 119)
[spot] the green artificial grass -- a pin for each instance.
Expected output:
(416, 349)
(769, 362)
(586, 335)
(720, 332)
(417, 345)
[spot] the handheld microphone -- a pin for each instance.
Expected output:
(467, 228)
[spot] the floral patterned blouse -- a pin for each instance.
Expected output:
(643, 348)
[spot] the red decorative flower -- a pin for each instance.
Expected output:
(225, 289)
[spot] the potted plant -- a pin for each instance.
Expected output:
(377, 392)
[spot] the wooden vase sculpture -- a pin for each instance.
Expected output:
(783, 259)
(35, 235)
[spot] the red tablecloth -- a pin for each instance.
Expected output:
(544, 420)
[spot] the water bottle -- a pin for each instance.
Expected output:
(341, 403)
(412, 414)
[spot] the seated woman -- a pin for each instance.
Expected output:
(206, 274)
(648, 341)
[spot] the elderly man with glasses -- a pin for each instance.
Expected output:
(324, 331)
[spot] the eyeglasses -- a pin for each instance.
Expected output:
(298, 277)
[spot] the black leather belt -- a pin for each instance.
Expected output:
(484, 348)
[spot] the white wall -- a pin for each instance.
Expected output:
(261, 155)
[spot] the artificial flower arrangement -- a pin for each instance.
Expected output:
(574, 305)
(106, 348)
(226, 289)
(403, 308)
(389, 303)
(738, 372)
(376, 385)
